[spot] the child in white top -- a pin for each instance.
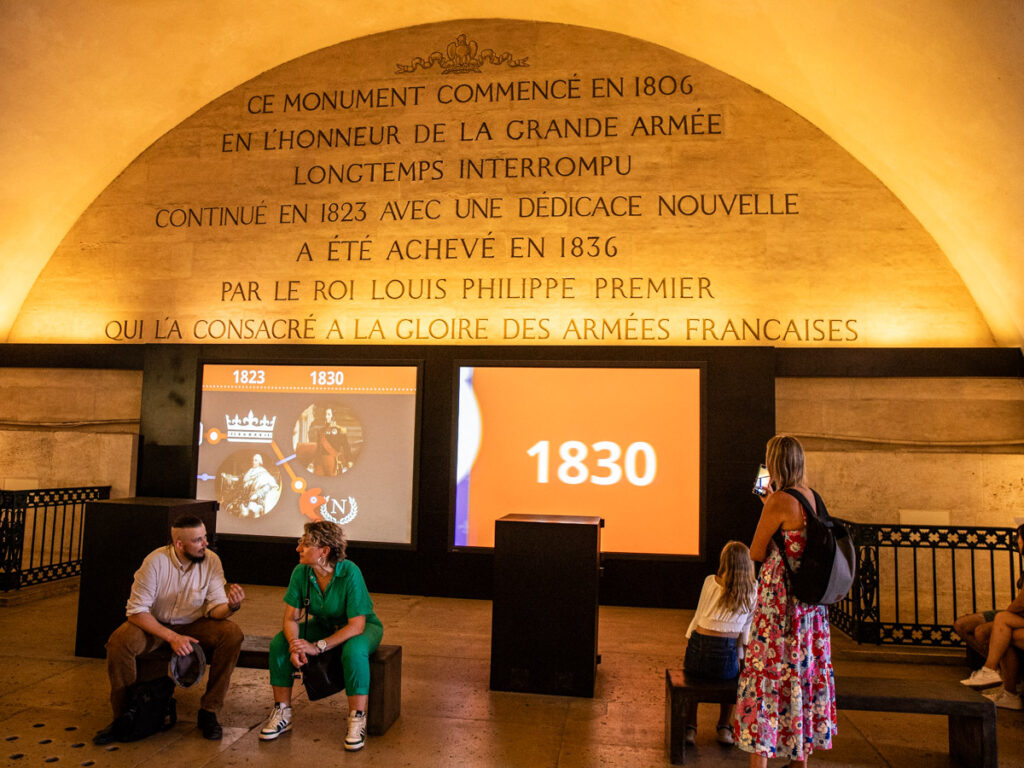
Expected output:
(720, 629)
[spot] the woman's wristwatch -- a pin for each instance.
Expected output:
(321, 645)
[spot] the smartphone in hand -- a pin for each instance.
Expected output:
(762, 482)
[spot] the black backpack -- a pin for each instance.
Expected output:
(150, 708)
(829, 561)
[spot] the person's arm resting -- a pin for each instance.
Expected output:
(298, 648)
(221, 611)
(353, 627)
(180, 644)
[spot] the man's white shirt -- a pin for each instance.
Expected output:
(177, 592)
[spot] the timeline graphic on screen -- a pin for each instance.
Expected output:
(623, 444)
(280, 445)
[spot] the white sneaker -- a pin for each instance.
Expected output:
(1006, 700)
(982, 678)
(280, 721)
(356, 737)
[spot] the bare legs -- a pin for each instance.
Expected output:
(282, 695)
(1009, 665)
(975, 631)
(1002, 635)
(978, 634)
(760, 761)
(725, 713)
(1007, 629)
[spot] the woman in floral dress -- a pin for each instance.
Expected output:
(786, 700)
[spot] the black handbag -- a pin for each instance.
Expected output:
(323, 674)
(150, 709)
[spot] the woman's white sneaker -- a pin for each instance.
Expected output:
(1006, 700)
(280, 721)
(356, 737)
(982, 677)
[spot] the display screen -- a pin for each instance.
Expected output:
(280, 445)
(623, 444)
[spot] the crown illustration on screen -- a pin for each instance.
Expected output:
(250, 429)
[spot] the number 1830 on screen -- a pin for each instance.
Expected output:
(601, 463)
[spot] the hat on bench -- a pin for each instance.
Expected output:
(188, 670)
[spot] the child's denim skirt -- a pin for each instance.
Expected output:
(711, 656)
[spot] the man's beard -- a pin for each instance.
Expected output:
(195, 558)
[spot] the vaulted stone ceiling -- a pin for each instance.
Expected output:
(927, 94)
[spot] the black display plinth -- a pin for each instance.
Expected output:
(544, 615)
(118, 535)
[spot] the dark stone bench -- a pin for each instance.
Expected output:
(385, 701)
(972, 717)
(682, 693)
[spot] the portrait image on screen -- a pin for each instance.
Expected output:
(623, 444)
(280, 445)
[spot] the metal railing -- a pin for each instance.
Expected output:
(41, 534)
(914, 580)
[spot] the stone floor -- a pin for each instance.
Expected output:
(52, 702)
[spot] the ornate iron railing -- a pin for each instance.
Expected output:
(41, 534)
(914, 580)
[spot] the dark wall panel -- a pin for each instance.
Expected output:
(167, 424)
(861, 363)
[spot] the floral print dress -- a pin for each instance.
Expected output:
(786, 699)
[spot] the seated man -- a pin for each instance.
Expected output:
(179, 597)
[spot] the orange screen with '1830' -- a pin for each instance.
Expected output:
(623, 444)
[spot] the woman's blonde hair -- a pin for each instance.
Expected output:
(739, 585)
(324, 533)
(784, 458)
